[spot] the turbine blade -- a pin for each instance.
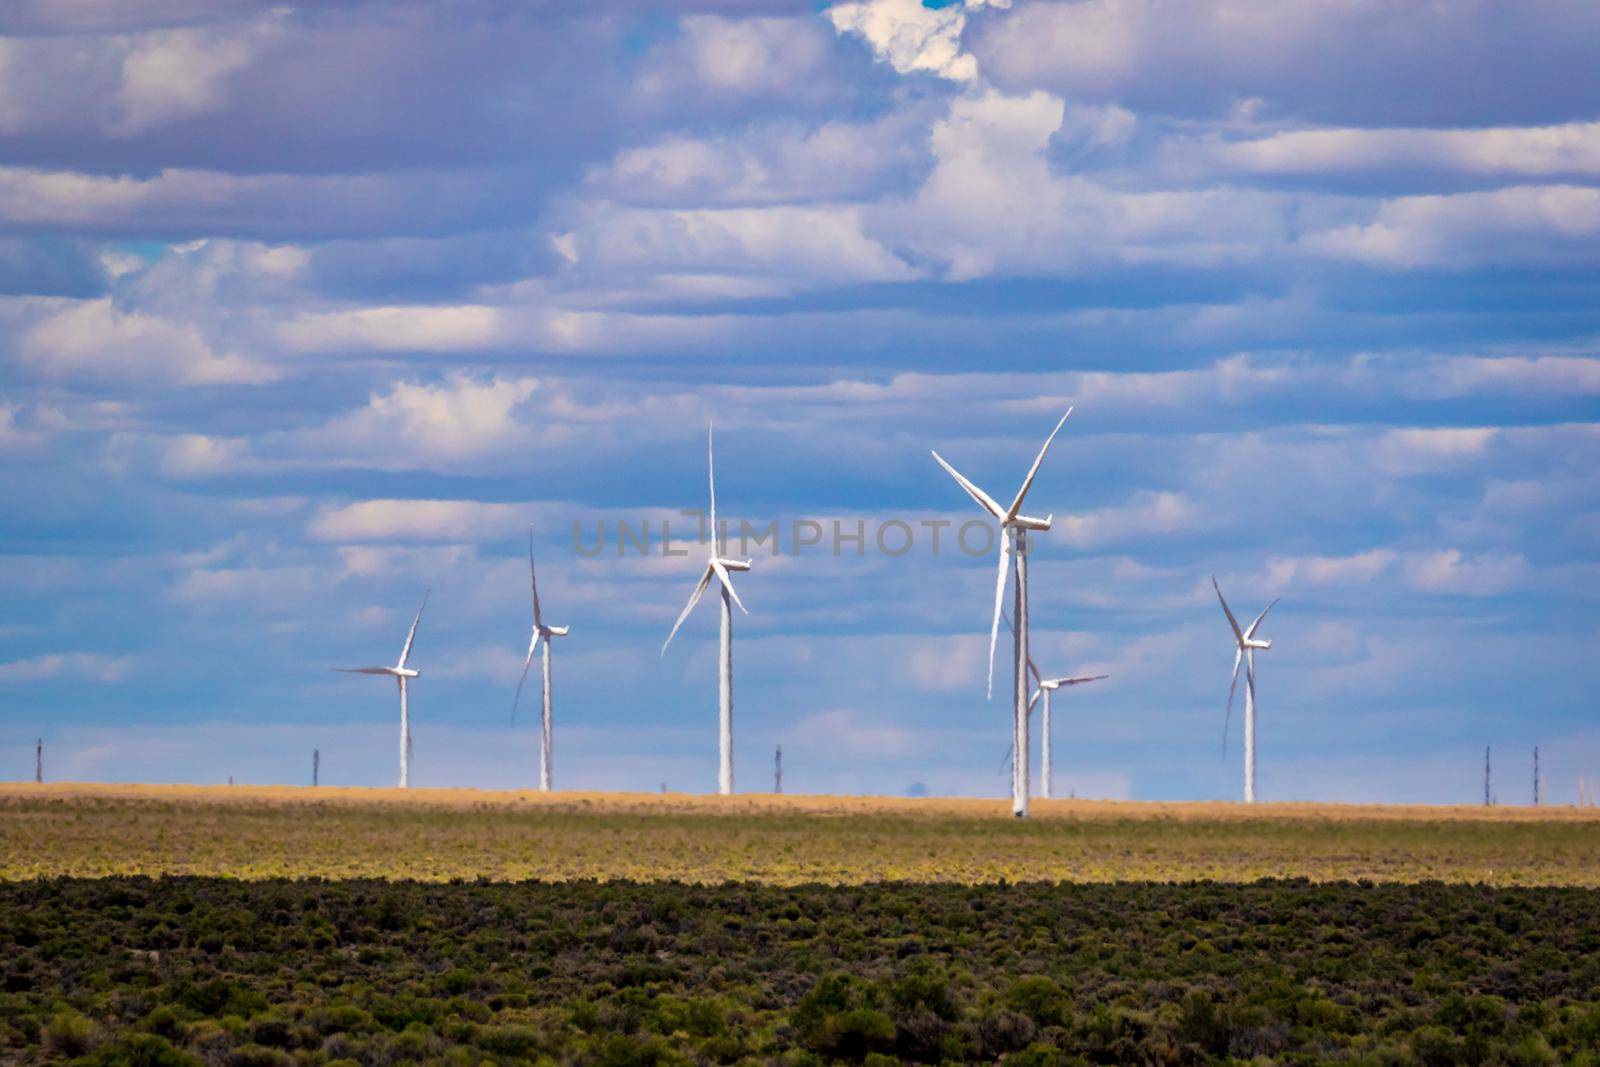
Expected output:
(533, 579)
(1081, 680)
(999, 597)
(711, 470)
(364, 670)
(412, 636)
(1251, 632)
(1032, 667)
(1006, 761)
(1233, 622)
(727, 583)
(1035, 698)
(1016, 505)
(1232, 685)
(533, 644)
(694, 598)
(983, 500)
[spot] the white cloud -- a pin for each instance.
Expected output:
(196, 455)
(94, 340)
(1423, 451)
(911, 36)
(416, 520)
(175, 74)
(1451, 571)
(993, 204)
(1363, 567)
(796, 243)
(1149, 512)
(458, 420)
(1567, 150)
(1522, 226)
(783, 163)
(76, 666)
(405, 329)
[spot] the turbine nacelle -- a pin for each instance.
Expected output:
(553, 631)
(1027, 522)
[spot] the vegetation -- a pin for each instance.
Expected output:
(272, 833)
(189, 971)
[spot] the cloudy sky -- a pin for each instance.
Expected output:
(305, 308)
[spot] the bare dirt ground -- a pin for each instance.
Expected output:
(440, 834)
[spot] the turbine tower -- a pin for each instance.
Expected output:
(402, 674)
(1043, 688)
(1014, 527)
(540, 631)
(1046, 687)
(1248, 646)
(718, 567)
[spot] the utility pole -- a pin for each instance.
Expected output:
(777, 771)
(1536, 797)
(38, 760)
(1486, 776)
(316, 766)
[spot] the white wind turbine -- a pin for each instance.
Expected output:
(1248, 644)
(1014, 527)
(1046, 687)
(401, 673)
(540, 631)
(718, 567)
(1043, 688)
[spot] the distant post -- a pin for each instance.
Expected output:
(38, 760)
(1536, 797)
(777, 771)
(316, 766)
(1486, 776)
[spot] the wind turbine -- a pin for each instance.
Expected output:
(1248, 644)
(718, 567)
(1043, 688)
(1014, 527)
(401, 673)
(1046, 687)
(540, 630)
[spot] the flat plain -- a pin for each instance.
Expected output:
(94, 831)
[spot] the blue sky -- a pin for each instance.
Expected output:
(305, 308)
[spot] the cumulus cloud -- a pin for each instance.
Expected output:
(911, 36)
(93, 340)
(461, 419)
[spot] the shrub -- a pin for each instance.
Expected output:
(70, 1034)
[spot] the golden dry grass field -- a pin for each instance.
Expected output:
(438, 835)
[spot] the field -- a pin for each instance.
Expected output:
(273, 973)
(248, 926)
(440, 835)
